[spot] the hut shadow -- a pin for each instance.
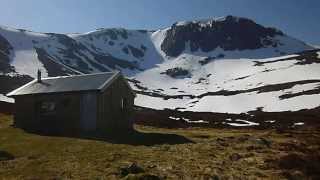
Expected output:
(5, 156)
(132, 137)
(135, 137)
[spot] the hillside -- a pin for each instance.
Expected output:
(191, 66)
(157, 153)
(287, 83)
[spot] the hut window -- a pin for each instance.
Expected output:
(47, 107)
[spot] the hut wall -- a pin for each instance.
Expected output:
(111, 114)
(88, 108)
(65, 117)
(24, 112)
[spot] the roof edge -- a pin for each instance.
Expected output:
(57, 77)
(12, 93)
(107, 83)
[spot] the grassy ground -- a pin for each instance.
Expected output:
(195, 153)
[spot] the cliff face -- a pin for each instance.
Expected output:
(230, 33)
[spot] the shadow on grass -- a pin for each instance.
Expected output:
(132, 137)
(308, 164)
(5, 156)
(142, 138)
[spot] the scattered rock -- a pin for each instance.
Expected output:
(222, 142)
(235, 157)
(252, 148)
(264, 141)
(177, 72)
(221, 56)
(143, 47)
(125, 50)
(152, 166)
(142, 177)
(215, 177)
(136, 52)
(131, 169)
(200, 80)
(211, 177)
(244, 138)
(206, 60)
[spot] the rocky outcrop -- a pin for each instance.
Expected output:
(5, 49)
(177, 72)
(231, 33)
(76, 55)
(53, 68)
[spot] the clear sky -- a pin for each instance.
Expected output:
(298, 18)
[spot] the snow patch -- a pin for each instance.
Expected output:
(26, 62)
(6, 99)
(270, 121)
(174, 118)
(245, 123)
(298, 124)
(302, 87)
(188, 120)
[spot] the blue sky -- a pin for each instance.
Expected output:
(297, 18)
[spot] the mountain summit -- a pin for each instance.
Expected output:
(229, 33)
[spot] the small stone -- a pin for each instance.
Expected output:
(220, 140)
(235, 157)
(264, 141)
(244, 138)
(152, 166)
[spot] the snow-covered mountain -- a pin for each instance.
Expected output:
(228, 64)
(134, 51)
(286, 83)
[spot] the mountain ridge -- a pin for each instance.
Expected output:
(200, 62)
(98, 50)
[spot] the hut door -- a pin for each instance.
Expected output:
(88, 110)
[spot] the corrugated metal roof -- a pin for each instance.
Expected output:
(67, 84)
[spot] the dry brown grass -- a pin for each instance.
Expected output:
(212, 154)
